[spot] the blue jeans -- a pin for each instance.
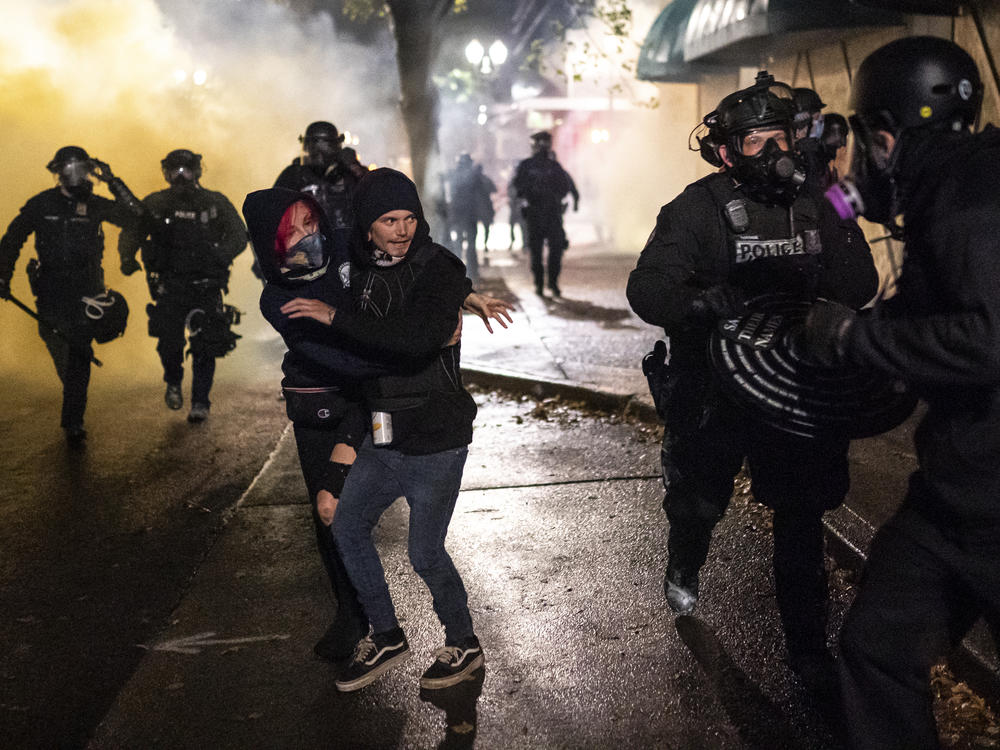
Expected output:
(430, 485)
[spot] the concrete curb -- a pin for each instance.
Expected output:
(848, 534)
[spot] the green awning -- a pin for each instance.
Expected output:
(745, 32)
(662, 55)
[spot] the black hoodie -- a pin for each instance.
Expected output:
(405, 314)
(315, 358)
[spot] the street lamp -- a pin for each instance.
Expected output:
(487, 60)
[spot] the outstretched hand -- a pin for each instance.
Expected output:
(487, 307)
(300, 307)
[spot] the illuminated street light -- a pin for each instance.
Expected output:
(486, 60)
(474, 52)
(498, 53)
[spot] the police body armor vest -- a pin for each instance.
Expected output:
(442, 374)
(770, 248)
(184, 238)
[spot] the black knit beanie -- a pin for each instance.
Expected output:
(381, 191)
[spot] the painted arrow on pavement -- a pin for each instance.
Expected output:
(193, 644)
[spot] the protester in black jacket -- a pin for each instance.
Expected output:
(323, 373)
(746, 231)
(934, 568)
(69, 240)
(409, 293)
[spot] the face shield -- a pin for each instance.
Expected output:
(74, 173)
(319, 150)
(180, 175)
(300, 249)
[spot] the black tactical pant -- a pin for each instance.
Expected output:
(172, 311)
(704, 446)
(545, 225)
(71, 357)
(923, 588)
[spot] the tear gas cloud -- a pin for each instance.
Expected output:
(129, 80)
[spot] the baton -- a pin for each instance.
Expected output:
(49, 326)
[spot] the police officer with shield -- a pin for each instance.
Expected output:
(189, 238)
(934, 568)
(67, 278)
(754, 228)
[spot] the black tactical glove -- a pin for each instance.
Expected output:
(719, 302)
(130, 266)
(102, 170)
(4, 289)
(823, 337)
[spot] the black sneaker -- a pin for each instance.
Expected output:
(173, 398)
(374, 655)
(556, 292)
(681, 589)
(453, 664)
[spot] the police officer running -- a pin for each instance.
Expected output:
(68, 275)
(934, 568)
(751, 229)
(189, 238)
(542, 184)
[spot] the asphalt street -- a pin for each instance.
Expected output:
(161, 587)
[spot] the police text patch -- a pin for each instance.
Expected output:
(753, 248)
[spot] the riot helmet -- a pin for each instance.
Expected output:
(808, 117)
(541, 142)
(72, 165)
(769, 170)
(181, 167)
(910, 89)
(321, 143)
(835, 132)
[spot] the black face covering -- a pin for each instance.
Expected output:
(871, 189)
(80, 191)
(305, 256)
(772, 175)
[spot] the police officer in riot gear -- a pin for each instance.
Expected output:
(752, 229)
(817, 137)
(329, 172)
(69, 241)
(189, 239)
(934, 568)
(541, 185)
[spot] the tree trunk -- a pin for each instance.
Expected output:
(416, 26)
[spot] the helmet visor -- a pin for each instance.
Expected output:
(73, 173)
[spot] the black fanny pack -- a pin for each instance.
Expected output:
(320, 409)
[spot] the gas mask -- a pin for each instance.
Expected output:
(772, 175)
(305, 255)
(180, 176)
(870, 190)
(301, 249)
(319, 151)
(73, 177)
